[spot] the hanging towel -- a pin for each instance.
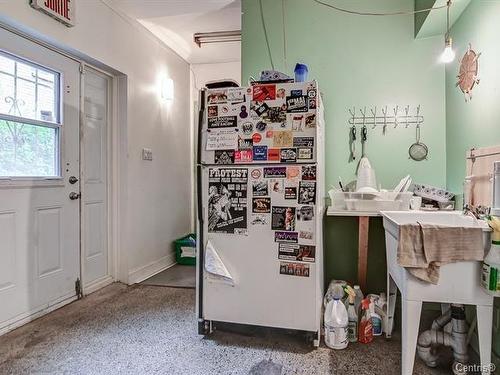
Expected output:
(215, 267)
(423, 248)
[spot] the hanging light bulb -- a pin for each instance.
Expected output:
(448, 54)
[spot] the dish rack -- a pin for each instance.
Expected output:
(366, 202)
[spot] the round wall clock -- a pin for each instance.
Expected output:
(468, 74)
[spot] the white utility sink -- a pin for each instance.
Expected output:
(459, 282)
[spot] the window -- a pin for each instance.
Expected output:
(29, 119)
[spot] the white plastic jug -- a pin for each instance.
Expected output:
(336, 324)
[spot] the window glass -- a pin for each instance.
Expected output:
(29, 92)
(28, 150)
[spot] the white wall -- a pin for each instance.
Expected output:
(155, 195)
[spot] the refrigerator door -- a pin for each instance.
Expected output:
(265, 123)
(262, 224)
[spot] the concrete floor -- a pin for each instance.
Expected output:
(153, 330)
(177, 276)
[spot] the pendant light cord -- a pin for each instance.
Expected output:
(265, 34)
(284, 34)
(448, 5)
(397, 13)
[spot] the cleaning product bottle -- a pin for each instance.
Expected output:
(359, 297)
(490, 278)
(336, 321)
(376, 319)
(352, 315)
(365, 334)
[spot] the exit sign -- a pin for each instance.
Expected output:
(61, 10)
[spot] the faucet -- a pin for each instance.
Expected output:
(478, 212)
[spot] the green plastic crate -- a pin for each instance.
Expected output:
(184, 248)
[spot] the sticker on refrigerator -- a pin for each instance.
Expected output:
(275, 115)
(283, 218)
(276, 185)
(260, 188)
(235, 95)
(243, 156)
(227, 200)
(212, 111)
(256, 137)
(292, 172)
(294, 269)
(303, 141)
(222, 122)
(271, 172)
(304, 153)
(247, 128)
(282, 138)
(309, 172)
(286, 237)
(264, 92)
(307, 192)
(245, 144)
(258, 219)
(310, 120)
(306, 234)
(288, 155)
(260, 108)
(290, 192)
(261, 126)
(256, 173)
(296, 252)
(295, 92)
(297, 121)
(243, 111)
(224, 157)
(273, 154)
(259, 153)
(261, 205)
(305, 213)
(296, 104)
(222, 139)
(216, 97)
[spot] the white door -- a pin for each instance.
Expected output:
(94, 180)
(39, 153)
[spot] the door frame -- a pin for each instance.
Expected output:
(117, 161)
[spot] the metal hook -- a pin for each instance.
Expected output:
(374, 113)
(407, 110)
(396, 111)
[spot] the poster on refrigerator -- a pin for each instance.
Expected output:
(283, 218)
(296, 252)
(294, 269)
(227, 200)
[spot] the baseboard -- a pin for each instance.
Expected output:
(97, 284)
(29, 316)
(140, 274)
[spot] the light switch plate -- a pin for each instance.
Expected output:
(147, 154)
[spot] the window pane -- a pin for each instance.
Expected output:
(28, 90)
(28, 150)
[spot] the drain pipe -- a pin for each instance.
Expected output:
(457, 340)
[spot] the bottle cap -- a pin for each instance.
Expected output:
(365, 304)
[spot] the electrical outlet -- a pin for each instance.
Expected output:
(147, 154)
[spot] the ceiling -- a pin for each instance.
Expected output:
(175, 22)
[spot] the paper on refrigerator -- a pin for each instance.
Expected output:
(215, 267)
(222, 139)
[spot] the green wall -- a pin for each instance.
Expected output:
(477, 123)
(358, 61)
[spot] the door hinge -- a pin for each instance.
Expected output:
(78, 288)
(82, 68)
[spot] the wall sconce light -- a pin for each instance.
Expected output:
(167, 89)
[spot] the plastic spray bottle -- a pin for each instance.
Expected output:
(352, 315)
(490, 278)
(336, 321)
(358, 298)
(376, 319)
(365, 334)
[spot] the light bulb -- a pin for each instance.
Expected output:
(448, 54)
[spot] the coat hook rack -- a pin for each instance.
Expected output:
(397, 119)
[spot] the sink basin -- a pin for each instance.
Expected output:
(394, 219)
(451, 289)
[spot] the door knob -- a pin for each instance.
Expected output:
(73, 180)
(74, 195)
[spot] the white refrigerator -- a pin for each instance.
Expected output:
(260, 207)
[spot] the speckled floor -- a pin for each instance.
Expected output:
(152, 330)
